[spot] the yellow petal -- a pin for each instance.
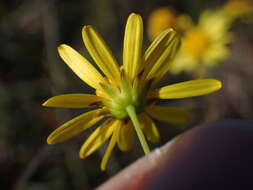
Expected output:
(149, 129)
(73, 101)
(81, 66)
(126, 137)
(101, 54)
(164, 68)
(98, 137)
(75, 126)
(109, 149)
(171, 115)
(132, 62)
(157, 48)
(160, 54)
(187, 89)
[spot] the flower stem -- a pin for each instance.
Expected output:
(132, 114)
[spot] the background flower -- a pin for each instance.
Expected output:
(204, 43)
(239, 8)
(159, 20)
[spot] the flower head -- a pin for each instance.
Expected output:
(124, 95)
(205, 43)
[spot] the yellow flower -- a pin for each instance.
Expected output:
(159, 20)
(239, 8)
(124, 98)
(204, 44)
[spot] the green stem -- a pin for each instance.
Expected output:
(132, 114)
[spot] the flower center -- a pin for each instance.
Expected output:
(196, 42)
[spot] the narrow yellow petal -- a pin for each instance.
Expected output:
(101, 53)
(159, 56)
(126, 137)
(81, 66)
(132, 50)
(171, 115)
(149, 128)
(187, 89)
(73, 101)
(157, 48)
(109, 149)
(98, 137)
(75, 126)
(165, 66)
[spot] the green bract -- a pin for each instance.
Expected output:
(127, 94)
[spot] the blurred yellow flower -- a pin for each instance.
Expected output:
(123, 94)
(239, 8)
(204, 44)
(159, 20)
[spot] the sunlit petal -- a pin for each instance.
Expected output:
(101, 54)
(171, 115)
(73, 101)
(160, 55)
(157, 48)
(81, 66)
(187, 89)
(132, 50)
(75, 126)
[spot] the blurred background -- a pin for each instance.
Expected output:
(31, 71)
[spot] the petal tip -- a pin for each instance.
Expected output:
(82, 155)
(169, 30)
(50, 140)
(103, 168)
(46, 103)
(86, 27)
(135, 16)
(132, 14)
(61, 46)
(219, 84)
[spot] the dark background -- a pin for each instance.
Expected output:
(31, 71)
